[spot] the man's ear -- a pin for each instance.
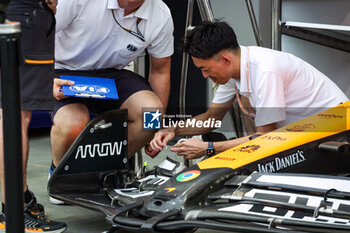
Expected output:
(226, 58)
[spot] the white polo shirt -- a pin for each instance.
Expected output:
(87, 36)
(281, 87)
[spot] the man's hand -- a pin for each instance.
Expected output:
(52, 4)
(151, 152)
(57, 87)
(192, 148)
(160, 140)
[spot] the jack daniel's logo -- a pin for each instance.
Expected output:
(282, 163)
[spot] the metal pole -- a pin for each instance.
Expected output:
(276, 24)
(254, 23)
(184, 69)
(205, 10)
(9, 55)
(138, 166)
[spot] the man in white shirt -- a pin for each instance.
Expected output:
(98, 39)
(280, 87)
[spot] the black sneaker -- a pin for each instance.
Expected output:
(34, 207)
(35, 223)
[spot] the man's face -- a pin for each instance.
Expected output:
(217, 68)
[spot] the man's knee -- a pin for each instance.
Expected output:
(69, 126)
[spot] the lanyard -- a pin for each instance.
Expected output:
(252, 115)
(138, 34)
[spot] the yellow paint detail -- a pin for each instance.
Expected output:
(39, 61)
(324, 124)
(2, 226)
(170, 189)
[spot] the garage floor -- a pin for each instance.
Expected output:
(78, 219)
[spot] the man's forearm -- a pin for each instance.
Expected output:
(159, 78)
(225, 145)
(161, 87)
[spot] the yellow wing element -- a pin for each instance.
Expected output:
(323, 124)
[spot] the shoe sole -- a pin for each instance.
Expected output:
(56, 201)
(29, 231)
(55, 231)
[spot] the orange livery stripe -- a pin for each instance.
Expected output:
(39, 61)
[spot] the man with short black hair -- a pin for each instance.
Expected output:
(281, 88)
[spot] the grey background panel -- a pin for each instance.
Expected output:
(235, 13)
(332, 62)
(317, 11)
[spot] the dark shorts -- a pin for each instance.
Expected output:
(127, 83)
(37, 45)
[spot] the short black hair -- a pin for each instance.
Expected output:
(209, 38)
